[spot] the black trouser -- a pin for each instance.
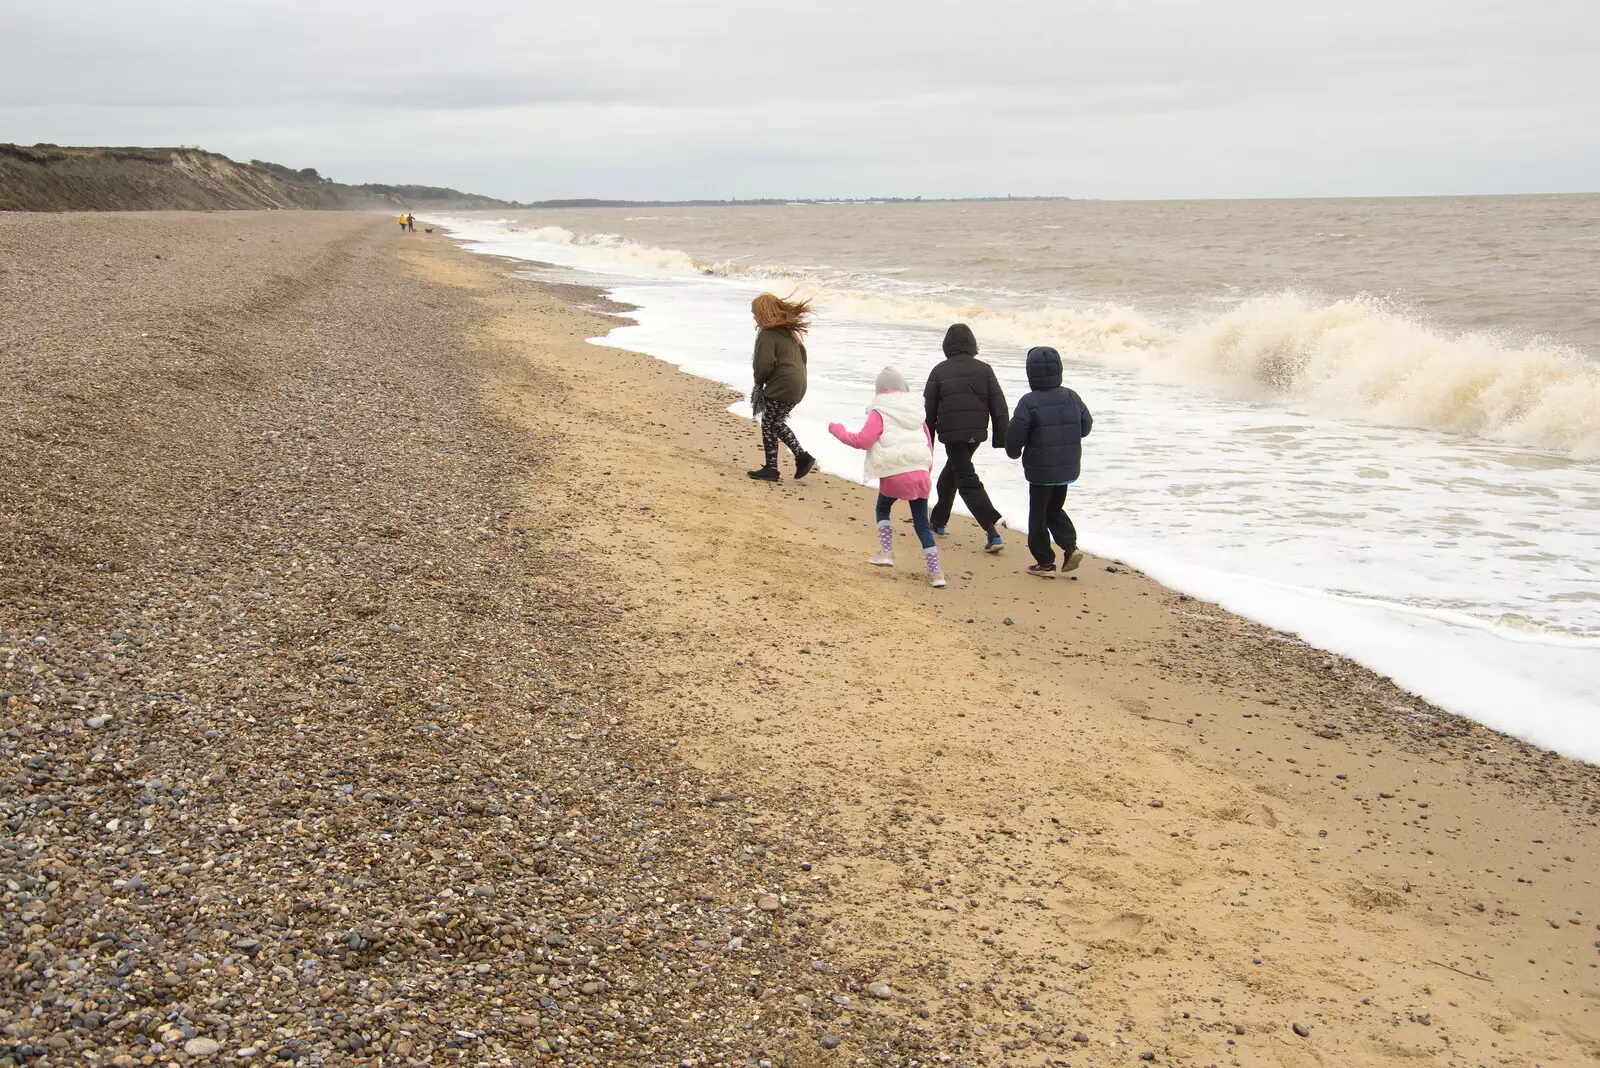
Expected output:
(1047, 518)
(959, 474)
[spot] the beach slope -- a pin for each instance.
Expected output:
(392, 676)
(1091, 807)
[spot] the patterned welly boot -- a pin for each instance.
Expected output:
(935, 576)
(885, 557)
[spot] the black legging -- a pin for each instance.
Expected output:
(1047, 518)
(775, 428)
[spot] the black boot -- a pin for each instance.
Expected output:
(804, 464)
(768, 473)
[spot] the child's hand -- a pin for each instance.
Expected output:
(836, 429)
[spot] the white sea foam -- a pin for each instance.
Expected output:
(1350, 359)
(1359, 358)
(1461, 567)
(609, 250)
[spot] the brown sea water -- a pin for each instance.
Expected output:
(1471, 314)
(1518, 266)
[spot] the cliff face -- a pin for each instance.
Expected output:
(55, 178)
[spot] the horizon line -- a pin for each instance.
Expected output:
(552, 202)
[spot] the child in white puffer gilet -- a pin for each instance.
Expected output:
(900, 456)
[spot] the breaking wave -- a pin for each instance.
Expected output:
(600, 249)
(1359, 358)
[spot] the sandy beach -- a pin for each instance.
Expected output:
(393, 677)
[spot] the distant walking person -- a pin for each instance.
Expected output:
(1047, 431)
(900, 456)
(402, 223)
(779, 365)
(962, 398)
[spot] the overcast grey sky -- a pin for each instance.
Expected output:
(729, 98)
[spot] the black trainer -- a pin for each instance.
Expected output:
(765, 474)
(804, 464)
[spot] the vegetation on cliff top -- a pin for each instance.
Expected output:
(48, 177)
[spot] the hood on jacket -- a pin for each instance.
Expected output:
(958, 341)
(1044, 368)
(890, 380)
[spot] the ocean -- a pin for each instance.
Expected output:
(1371, 423)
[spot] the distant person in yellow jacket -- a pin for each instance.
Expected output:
(402, 222)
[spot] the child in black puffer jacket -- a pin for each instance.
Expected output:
(1047, 432)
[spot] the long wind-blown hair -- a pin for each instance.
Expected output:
(774, 312)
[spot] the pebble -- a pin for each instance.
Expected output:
(270, 898)
(1302, 1030)
(94, 723)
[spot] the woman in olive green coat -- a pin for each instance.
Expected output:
(780, 373)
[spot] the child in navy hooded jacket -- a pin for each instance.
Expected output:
(1047, 432)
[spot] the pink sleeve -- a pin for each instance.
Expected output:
(871, 432)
